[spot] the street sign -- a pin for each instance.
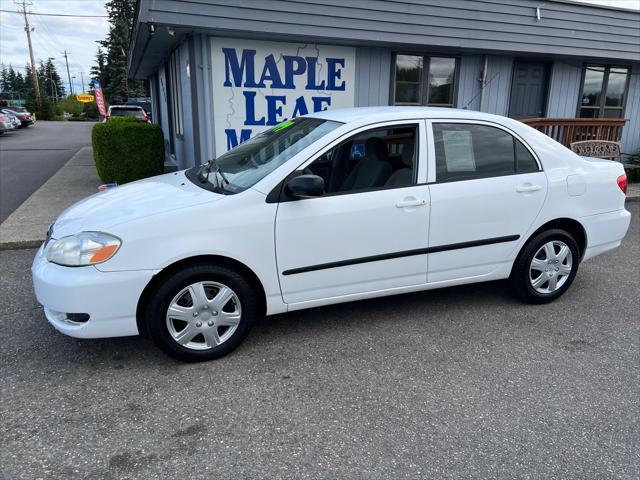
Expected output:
(85, 98)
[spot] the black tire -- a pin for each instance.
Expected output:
(156, 311)
(520, 275)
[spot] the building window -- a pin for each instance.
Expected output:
(604, 91)
(421, 80)
(176, 93)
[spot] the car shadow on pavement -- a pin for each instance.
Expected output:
(420, 310)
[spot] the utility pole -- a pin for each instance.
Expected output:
(68, 74)
(34, 75)
(82, 79)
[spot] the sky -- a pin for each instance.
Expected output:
(53, 35)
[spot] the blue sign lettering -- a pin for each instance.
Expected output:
(232, 137)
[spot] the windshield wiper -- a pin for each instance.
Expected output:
(205, 170)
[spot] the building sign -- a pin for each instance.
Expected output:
(257, 84)
(84, 98)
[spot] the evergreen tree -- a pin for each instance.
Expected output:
(97, 71)
(28, 80)
(50, 81)
(13, 84)
(4, 82)
(116, 86)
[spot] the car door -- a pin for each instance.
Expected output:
(488, 189)
(369, 230)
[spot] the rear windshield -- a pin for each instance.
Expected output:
(127, 112)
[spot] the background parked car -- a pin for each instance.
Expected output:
(23, 115)
(13, 119)
(5, 124)
(127, 111)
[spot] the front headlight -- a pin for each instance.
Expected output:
(85, 248)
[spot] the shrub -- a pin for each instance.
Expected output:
(126, 149)
(633, 174)
(71, 105)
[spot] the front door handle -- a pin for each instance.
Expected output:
(411, 202)
(528, 188)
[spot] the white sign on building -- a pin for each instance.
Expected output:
(258, 84)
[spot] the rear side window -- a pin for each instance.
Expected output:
(469, 151)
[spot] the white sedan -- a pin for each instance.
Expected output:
(336, 206)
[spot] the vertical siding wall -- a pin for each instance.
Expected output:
(373, 75)
(497, 91)
(631, 133)
(564, 88)
(469, 82)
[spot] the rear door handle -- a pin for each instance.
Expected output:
(411, 203)
(528, 188)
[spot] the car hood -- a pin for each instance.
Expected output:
(126, 203)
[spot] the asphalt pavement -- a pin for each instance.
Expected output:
(463, 382)
(29, 156)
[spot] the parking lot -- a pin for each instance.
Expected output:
(30, 156)
(464, 382)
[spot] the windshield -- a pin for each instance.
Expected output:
(251, 161)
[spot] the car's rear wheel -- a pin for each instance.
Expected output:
(201, 312)
(546, 266)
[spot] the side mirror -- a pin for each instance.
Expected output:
(305, 186)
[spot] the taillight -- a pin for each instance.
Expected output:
(622, 183)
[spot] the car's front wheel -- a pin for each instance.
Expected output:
(546, 266)
(201, 312)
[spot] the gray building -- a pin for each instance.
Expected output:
(222, 70)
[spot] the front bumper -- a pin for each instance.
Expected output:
(109, 298)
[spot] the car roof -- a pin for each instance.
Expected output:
(381, 114)
(126, 106)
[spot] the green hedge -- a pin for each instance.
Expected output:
(633, 174)
(126, 149)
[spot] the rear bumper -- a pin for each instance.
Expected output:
(605, 231)
(109, 298)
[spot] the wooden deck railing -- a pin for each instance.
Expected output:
(568, 130)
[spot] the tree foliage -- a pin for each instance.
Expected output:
(111, 63)
(50, 81)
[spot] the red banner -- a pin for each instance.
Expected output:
(99, 98)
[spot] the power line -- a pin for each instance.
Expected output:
(56, 14)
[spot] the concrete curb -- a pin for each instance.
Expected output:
(27, 226)
(24, 245)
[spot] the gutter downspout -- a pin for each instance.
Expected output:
(483, 81)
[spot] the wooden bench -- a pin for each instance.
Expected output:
(601, 149)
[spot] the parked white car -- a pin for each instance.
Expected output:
(331, 207)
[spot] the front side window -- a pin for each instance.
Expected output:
(377, 158)
(604, 91)
(469, 151)
(421, 80)
(248, 163)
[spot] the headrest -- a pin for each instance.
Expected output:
(375, 148)
(408, 150)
